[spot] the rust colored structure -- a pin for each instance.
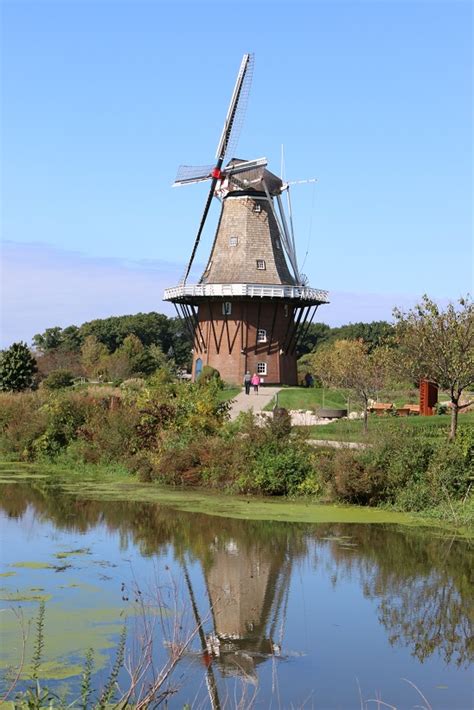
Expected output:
(251, 305)
(428, 397)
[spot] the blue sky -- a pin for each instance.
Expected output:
(102, 100)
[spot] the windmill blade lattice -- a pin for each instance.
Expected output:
(227, 142)
(188, 174)
(237, 108)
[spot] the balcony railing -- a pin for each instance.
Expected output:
(182, 293)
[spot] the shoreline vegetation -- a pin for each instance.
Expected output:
(159, 429)
(172, 442)
(113, 483)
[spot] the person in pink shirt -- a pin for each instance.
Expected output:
(255, 381)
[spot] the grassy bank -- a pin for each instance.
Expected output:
(317, 397)
(177, 434)
(113, 483)
(351, 430)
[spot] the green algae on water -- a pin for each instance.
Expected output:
(24, 597)
(68, 635)
(33, 565)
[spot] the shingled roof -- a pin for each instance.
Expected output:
(247, 246)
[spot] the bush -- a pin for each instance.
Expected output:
(64, 416)
(22, 420)
(59, 379)
(279, 470)
(108, 435)
(451, 471)
(210, 374)
(351, 480)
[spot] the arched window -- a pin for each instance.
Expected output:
(197, 368)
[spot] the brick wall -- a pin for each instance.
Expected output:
(231, 345)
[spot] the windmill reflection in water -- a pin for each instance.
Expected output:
(247, 588)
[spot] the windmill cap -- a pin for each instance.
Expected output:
(253, 179)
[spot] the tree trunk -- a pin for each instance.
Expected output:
(366, 418)
(454, 418)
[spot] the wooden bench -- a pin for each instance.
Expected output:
(381, 408)
(413, 408)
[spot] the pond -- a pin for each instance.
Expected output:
(257, 612)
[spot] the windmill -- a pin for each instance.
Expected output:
(251, 305)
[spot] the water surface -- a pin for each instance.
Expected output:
(309, 615)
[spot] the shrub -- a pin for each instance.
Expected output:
(279, 470)
(22, 420)
(59, 379)
(64, 416)
(451, 470)
(209, 374)
(352, 481)
(110, 434)
(415, 496)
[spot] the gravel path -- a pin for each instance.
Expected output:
(245, 402)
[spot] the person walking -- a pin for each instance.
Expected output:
(247, 381)
(255, 381)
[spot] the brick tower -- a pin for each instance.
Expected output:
(248, 310)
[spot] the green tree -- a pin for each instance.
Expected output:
(313, 336)
(348, 364)
(438, 345)
(17, 368)
(49, 340)
(94, 355)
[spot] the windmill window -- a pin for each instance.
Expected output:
(261, 368)
(257, 208)
(286, 310)
(261, 264)
(277, 243)
(233, 241)
(261, 335)
(226, 308)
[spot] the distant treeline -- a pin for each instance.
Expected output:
(130, 345)
(372, 334)
(171, 335)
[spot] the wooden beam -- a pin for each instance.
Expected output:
(211, 320)
(182, 317)
(189, 315)
(226, 321)
(297, 322)
(288, 327)
(299, 330)
(198, 326)
(270, 340)
(238, 323)
(302, 335)
(258, 325)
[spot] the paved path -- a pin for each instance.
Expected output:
(245, 402)
(336, 444)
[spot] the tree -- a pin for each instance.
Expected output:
(17, 368)
(93, 356)
(49, 340)
(59, 379)
(438, 345)
(313, 336)
(348, 364)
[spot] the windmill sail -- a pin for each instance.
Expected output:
(230, 134)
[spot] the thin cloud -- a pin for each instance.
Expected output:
(44, 286)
